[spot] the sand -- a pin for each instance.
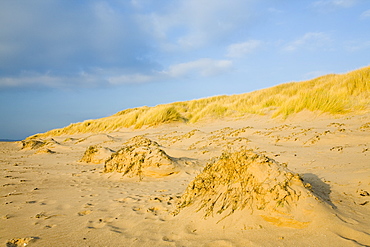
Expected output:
(307, 185)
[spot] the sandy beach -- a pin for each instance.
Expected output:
(186, 123)
(54, 195)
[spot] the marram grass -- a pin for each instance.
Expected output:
(333, 94)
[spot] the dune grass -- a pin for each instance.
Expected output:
(333, 94)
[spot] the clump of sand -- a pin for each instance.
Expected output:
(18, 242)
(32, 144)
(45, 151)
(36, 144)
(96, 138)
(249, 182)
(141, 157)
(96, 154)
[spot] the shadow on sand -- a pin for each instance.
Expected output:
(319, 188)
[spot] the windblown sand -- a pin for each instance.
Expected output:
(256, 181)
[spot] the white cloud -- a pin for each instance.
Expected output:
(57, 39)
(343, 3)
(315, 74)
(241, 49)
(131, 79)
(191, 24)
(311, 40)
(329, 5)
(203, 67)
(356, 45)
(63, 37)
(365, 14)
(275, 11)
(31, 79)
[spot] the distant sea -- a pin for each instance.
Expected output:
(8, 140)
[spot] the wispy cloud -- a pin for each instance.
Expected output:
(132, 79)
(311, 40)
(314, 74)
(192, 24)
(330, 5)
(113, 42)
(356, 45)
(241, 49)
(275, 10)
(365, 14)
(64, 38)
(203, 67)
(336, 3)
(46, 80)
(343, 3)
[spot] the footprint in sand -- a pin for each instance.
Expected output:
(44, 215)
(126, 200)
(138, 209)
(89, 205)
(7, 216)
(169, 239)
(154, 210)
(63, 207)
(100, 223)
(120, 200)
(220, 243)
(31, 202)
(96, 224)
(49, 226)
(47, 202)
(85, 212)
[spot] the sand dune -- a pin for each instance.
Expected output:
(256, 181)
(333, 94)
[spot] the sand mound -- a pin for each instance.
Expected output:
(35, 144)
(141, 157)
(32, 144)
(45, 151)
(96, 139)
(248, 182)
(18, 242)
(70, 139)
(96, 154)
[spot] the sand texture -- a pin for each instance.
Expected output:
(254, 181)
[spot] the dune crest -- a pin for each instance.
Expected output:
(329, 94)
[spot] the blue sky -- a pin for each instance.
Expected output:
(64, 61)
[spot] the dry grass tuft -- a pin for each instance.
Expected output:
(334, 94)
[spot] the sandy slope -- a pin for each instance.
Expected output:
(49, 198)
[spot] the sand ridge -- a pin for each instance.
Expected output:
(323, 163)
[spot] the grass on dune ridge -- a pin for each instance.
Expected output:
(333, 93)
